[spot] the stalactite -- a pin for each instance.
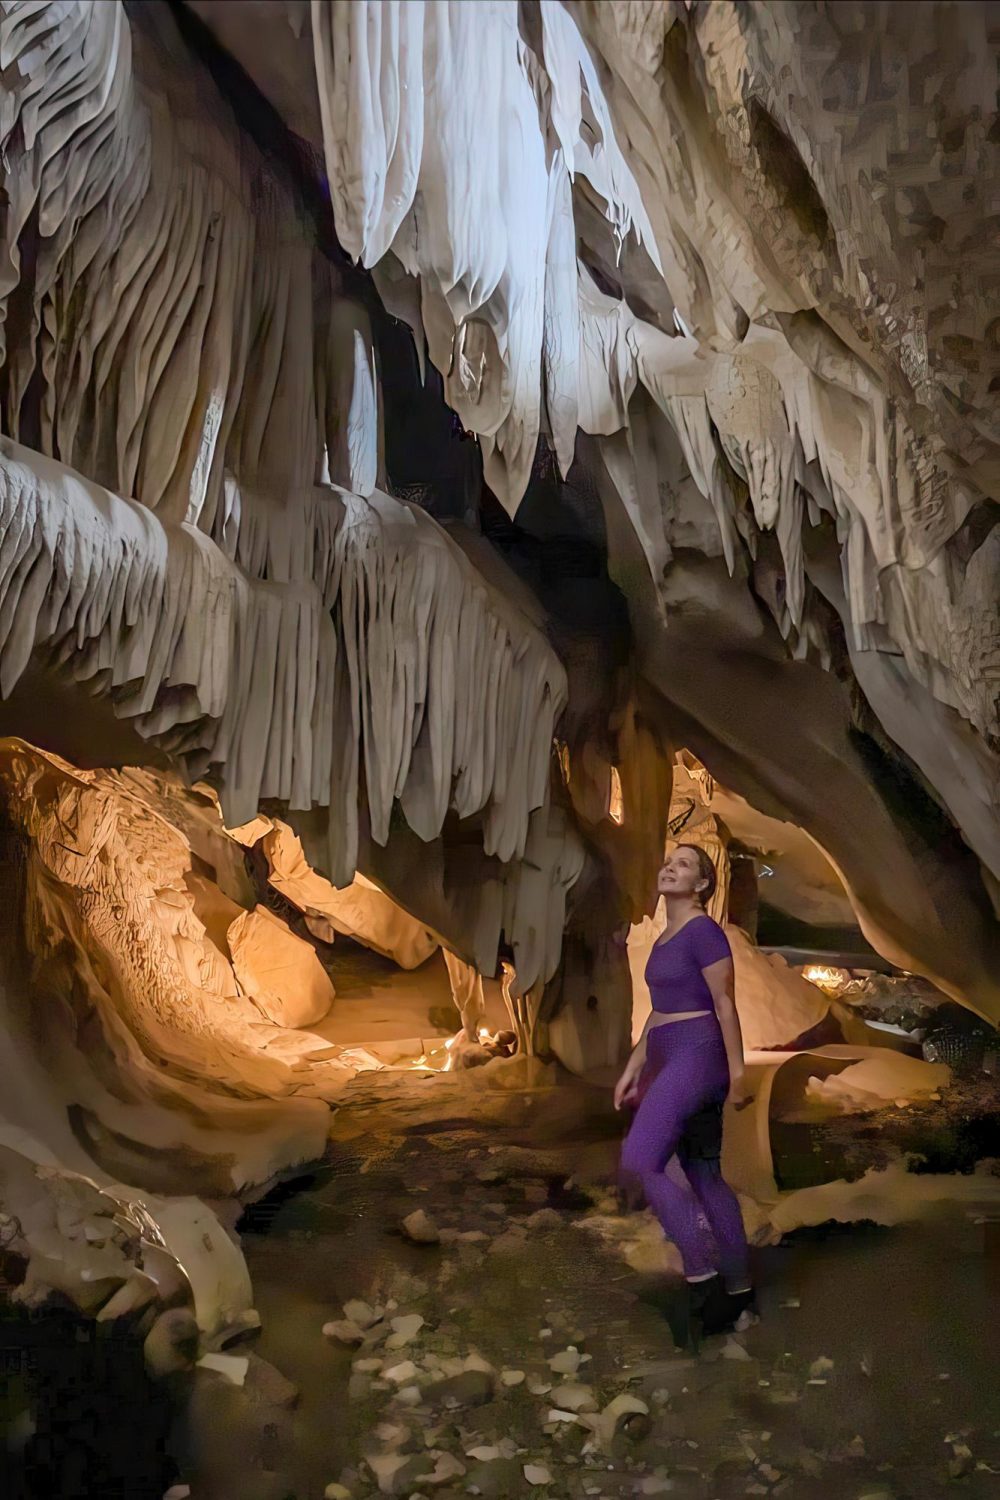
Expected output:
(450, 694)
(435, 126)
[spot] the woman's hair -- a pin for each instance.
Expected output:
(706, 871)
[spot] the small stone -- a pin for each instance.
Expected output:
(555, 1415)
(344, 1332)
(386, 1467)
(566, 1362)
(269, 1385)
(485, 1454)
(447, 1467)
(536, 1474)
(544, 1219)
(177, 1492)
(512, 1377)
(232, 1367)
(404, 1330)
(625, 1405)
(421, 1228)
(574, 1398)
(360, 1313)
(410, 1395)
(336, 1492)
(401, 1373)
(498, 1479)
(820, 1367)
(733, 1350)
(856, 1447)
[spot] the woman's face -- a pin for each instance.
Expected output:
(680, 874)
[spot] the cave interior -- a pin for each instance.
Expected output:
(451, 455)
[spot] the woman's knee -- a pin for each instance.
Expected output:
(641, 1155)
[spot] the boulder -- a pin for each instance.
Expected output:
(279, 971)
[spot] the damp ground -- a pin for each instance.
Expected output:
(872, 1372)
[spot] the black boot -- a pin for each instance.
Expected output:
(687, 1316)
(726, 1308)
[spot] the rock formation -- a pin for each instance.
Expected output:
(419, 422)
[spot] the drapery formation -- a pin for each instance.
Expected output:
(390, 651)
(175, 335)
(827, 367)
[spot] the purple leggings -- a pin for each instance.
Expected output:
(686, 1072)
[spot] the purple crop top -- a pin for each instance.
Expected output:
(673, 973)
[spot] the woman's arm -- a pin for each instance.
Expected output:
(721, 980)
(634, 1066)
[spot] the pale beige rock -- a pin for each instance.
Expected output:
(885, 1078)
(361, 911)
(345, 1332)
(109, 875)
(420, 1227)
(279, 971)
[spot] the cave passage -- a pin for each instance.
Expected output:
(484, 486)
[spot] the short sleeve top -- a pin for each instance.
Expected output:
(674, 970)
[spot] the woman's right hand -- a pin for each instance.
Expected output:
(626, 1089)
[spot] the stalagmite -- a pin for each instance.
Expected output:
(526, 1009)
(467, 993)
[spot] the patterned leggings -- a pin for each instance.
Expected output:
(674, 1144)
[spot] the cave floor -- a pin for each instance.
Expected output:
(377, 1001)
(900, 1406)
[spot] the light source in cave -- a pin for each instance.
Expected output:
(832, 981)
(616, 801)
(458, 1052)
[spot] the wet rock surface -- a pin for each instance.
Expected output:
(547, 1368)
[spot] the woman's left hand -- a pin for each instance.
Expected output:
(739, 1093)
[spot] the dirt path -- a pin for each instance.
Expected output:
(872, 1373)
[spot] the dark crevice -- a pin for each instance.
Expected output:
(978, 525)
(787, 172)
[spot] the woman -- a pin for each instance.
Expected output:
(687, 1061)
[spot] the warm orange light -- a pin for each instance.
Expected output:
(616, 802)
(831, 980)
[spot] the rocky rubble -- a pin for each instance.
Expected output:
(453, 1392)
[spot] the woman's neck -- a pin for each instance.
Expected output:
(681, 908)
